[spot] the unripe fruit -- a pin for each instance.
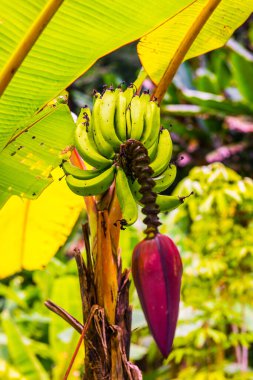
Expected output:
(157, 272)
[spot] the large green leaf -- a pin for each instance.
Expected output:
(79, 34)
(157, 48)
(27, 161)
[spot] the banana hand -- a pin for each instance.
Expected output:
(92, 186)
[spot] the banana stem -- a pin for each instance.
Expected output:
(90, 204)
(185, 45)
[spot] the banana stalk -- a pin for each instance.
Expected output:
(106, 272)
(106, 282)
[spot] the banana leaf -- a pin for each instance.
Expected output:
(157, 48)
(33, 231)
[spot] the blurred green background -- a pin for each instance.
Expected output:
(209, 112)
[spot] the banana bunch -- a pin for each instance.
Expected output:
(119, 118)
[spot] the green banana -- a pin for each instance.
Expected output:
(85, 143)
(128, 123)
(70, 169)
(102, 145)
(137, 118)
(151, 124)
(165, 179)
(126, 200)
(84, 115)
(168, 203)
(138, 108)
(92, 186)
(117, 90)
(129, 93)
(164, 153)
(152, 151)
(120, 116)
(144, 101)
(107, 112)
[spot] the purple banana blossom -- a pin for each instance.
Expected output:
(157, 272)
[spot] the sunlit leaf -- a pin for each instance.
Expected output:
(79, 34)
(157, 48)
(32, 231)
(27, 161)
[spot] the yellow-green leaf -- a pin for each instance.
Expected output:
(78, 34)
(157, 48)
(33, 231)
(27, 161)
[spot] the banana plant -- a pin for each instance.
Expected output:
(121, 140)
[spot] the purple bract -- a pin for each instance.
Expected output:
(157, 272)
